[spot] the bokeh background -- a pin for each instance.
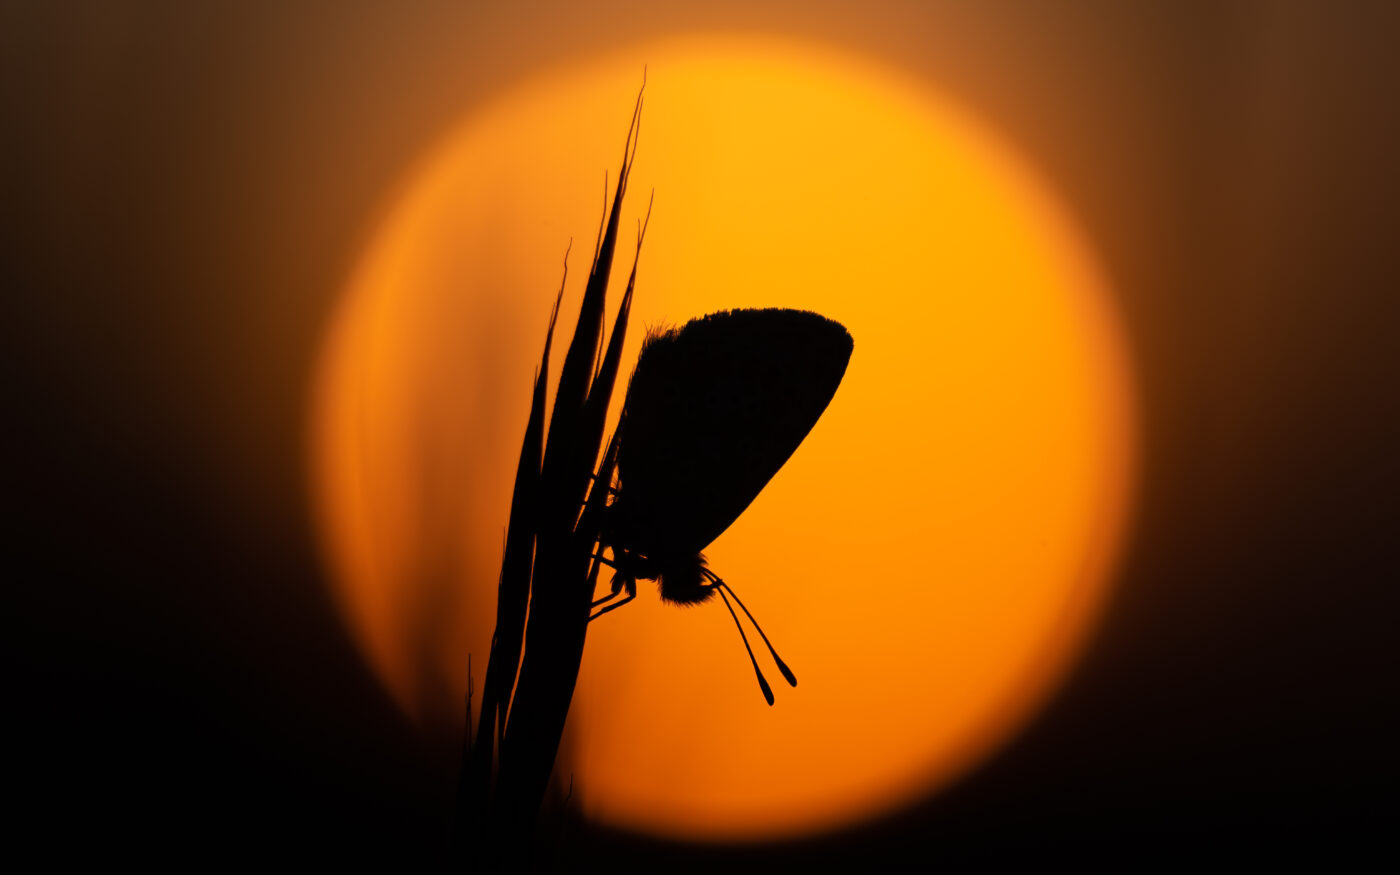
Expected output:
(187, 185)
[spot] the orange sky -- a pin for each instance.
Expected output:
(932, 557)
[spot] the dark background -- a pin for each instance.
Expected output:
(185, 185)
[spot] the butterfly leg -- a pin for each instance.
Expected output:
(626, 571)
(605, 561)
(617, 581)
(619, 584)
(605, 599)
(612, 607)
(612, 594)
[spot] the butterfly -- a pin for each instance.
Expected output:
(713, 410)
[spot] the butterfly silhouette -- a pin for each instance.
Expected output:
(713, 410)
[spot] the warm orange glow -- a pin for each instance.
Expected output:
(929, 562)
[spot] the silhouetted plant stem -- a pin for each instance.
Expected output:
(555, 523)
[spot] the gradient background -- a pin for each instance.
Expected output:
(186, 186)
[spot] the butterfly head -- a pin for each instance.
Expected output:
(683, 580)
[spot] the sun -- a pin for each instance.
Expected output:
(929, 562)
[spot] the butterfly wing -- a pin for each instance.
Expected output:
(713, 410)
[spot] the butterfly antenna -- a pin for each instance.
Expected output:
(782, 666)
(762, 681)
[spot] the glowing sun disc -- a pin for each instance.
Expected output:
(931, 559)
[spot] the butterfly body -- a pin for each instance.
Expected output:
(681, 580)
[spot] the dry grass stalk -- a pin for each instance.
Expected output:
(547, 572)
